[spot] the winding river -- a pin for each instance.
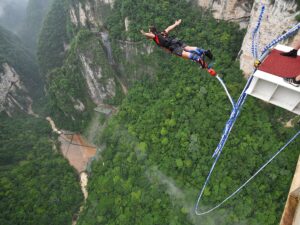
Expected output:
(78, 152)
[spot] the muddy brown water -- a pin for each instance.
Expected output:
(76, 150)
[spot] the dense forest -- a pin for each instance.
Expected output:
(37, 184)
(159, 145)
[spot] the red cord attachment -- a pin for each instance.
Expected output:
(212, 72)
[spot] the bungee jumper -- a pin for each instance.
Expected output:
(177, 46)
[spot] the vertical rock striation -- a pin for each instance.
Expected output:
(98, 90)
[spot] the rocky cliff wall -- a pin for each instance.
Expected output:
(277, 19)
(232, 10)
(98, 90)
(89, 13)
(99, 78)
(13, 94)
(81, 15)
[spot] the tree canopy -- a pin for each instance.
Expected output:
(38, 186)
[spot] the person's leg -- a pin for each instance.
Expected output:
(179, 51)
(194, 57)
(293, 52)
(189, 55)
(198, 51)
(295, 81)
(193, 49)
(292, 81)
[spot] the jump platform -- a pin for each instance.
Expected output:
(268, 84)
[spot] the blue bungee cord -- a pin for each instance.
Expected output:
(255, 34)
(233, 116)
(236, 108)
(245, 183)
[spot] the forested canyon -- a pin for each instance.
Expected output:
(139, 123)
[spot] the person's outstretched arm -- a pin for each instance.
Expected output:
(169, 28)
(147, 35)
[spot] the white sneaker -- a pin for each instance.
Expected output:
(292, 81)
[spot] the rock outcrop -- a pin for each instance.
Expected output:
(277, 19)
(81, 15)
(13, 94)
(100, 85)
(98, 90)
(232, 10)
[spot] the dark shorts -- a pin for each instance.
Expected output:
(177, 47)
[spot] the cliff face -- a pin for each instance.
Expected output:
(90, 13)
(81, 14)
(277, 19)
(18, 75)
(118, 70)
(279, 16)
(98, 90)
(13, 94)
(101, 85)
(77, 60)
(232, 10)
